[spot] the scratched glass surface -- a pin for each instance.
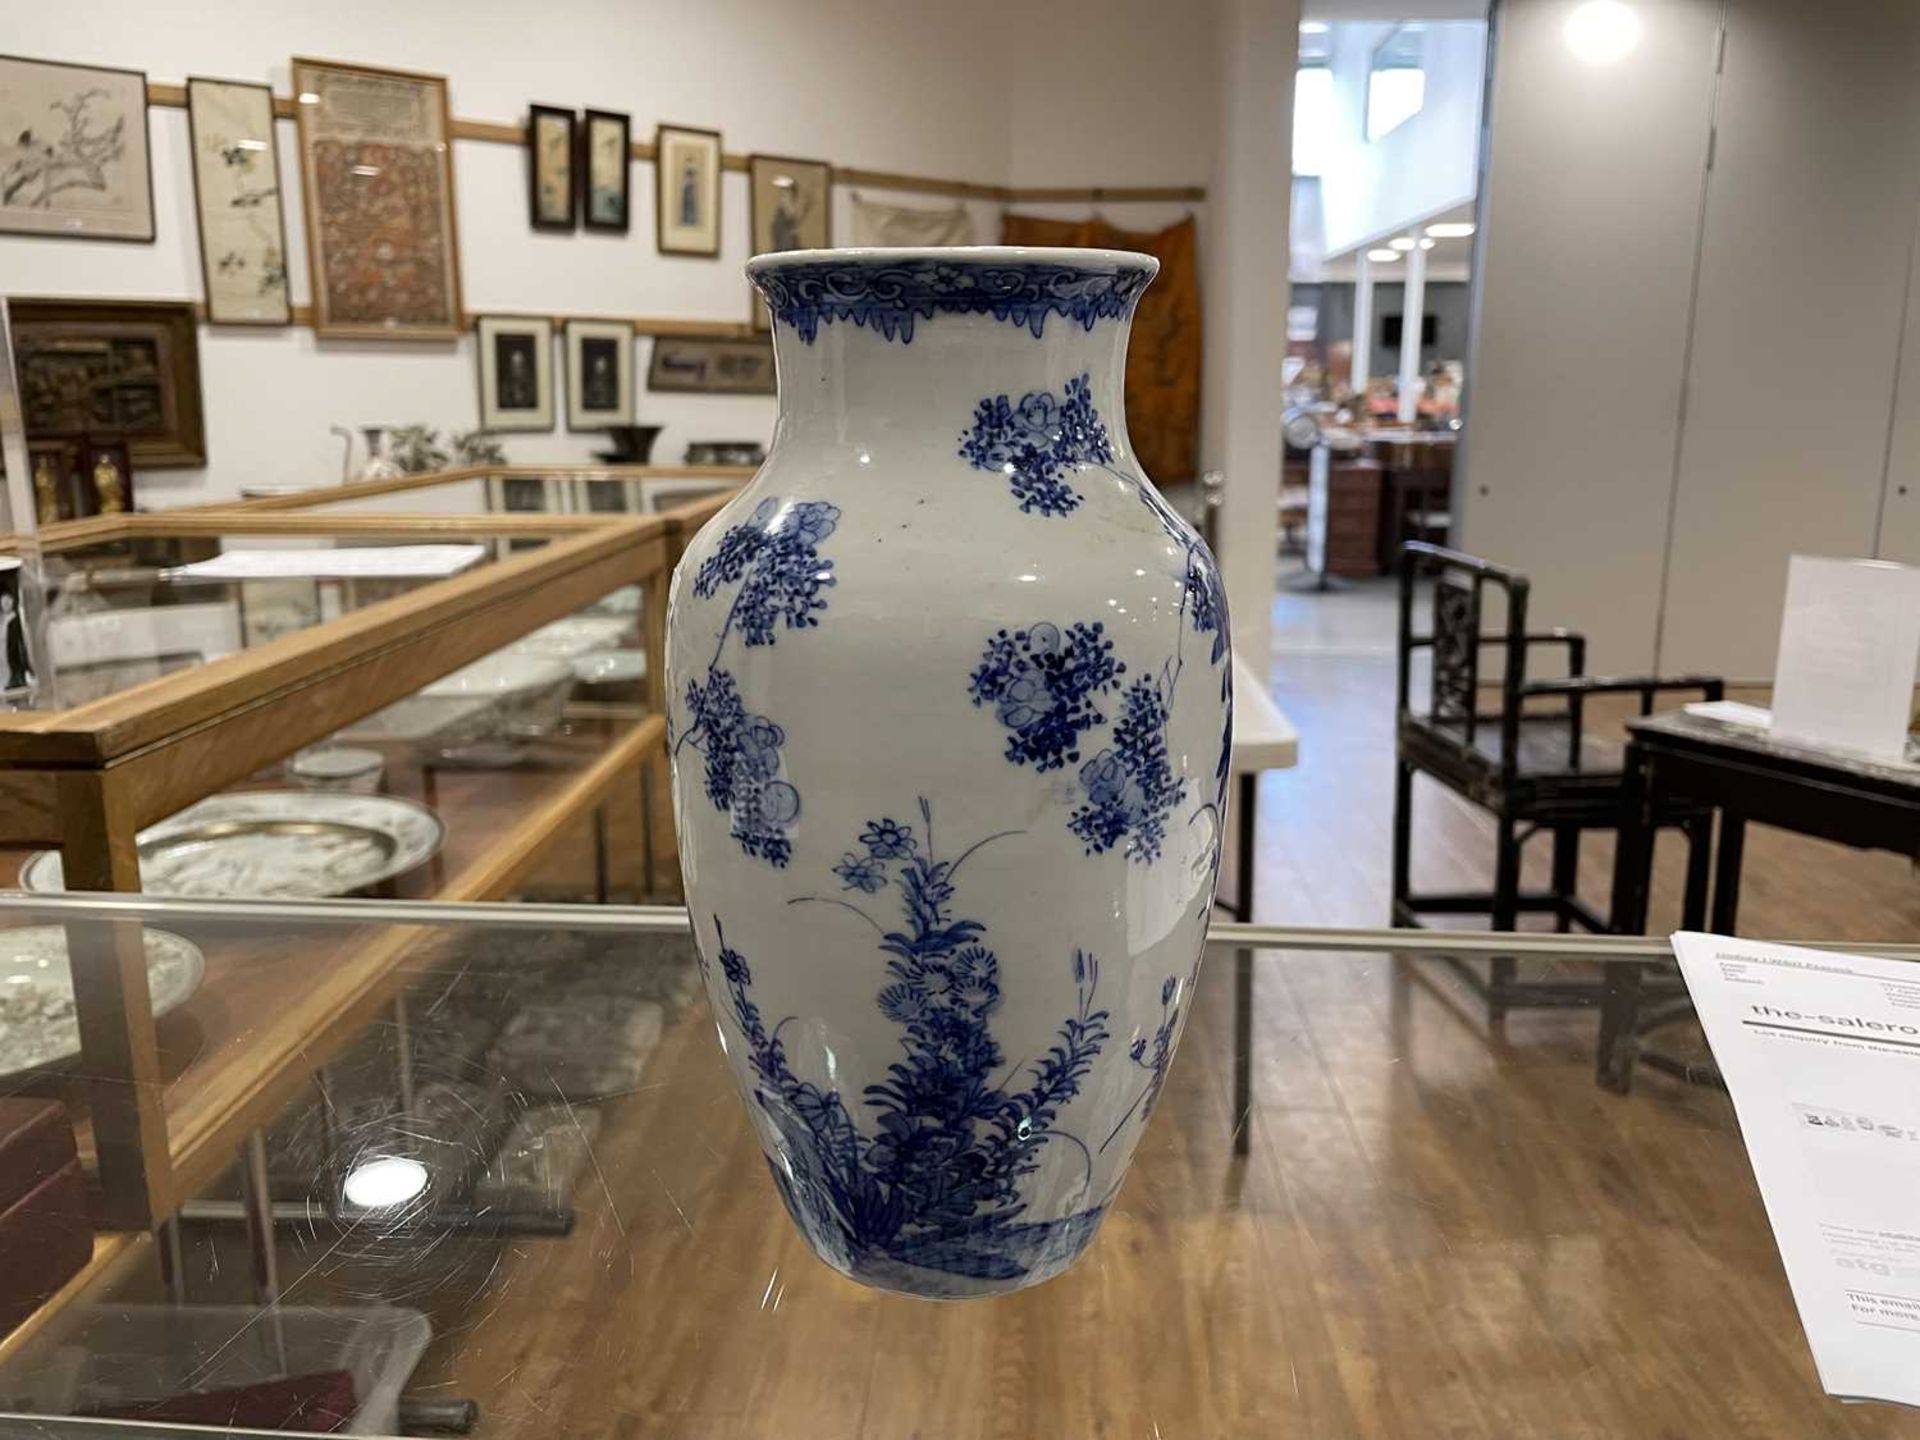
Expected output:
(514, 1193)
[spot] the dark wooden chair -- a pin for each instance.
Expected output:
(1527, 760)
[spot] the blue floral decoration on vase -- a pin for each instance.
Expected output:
(1036, 441)
(933, 1181)
(1042, 683)
(774, 558)
(891, 296)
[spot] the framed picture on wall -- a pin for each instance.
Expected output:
(74, 161)
(695, 365)
(792, 209)
(792, 203)
(553, 171)
(376, 172)
(686, 169)
(516, 372)
(609, 164)
(236, 195)
(129, 368)
(599, 374)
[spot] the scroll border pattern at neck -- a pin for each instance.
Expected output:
(890, 298)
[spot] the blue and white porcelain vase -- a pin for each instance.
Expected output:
(950, 696)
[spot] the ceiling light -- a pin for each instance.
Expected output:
(1451, 230)
(1401, 243)
(1601, 31)
(1313, 27)
(1426, 244)
(383, 1182)
(1381, 257)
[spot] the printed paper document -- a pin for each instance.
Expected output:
(1821, 1052)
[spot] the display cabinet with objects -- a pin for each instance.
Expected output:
(309, 706)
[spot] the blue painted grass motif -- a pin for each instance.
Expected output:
(1037, 441)
(935, 1181)
(1156, 1055)
(889, 298)
(774, 557)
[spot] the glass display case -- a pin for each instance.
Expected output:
(517, 489)
(410, 706)
(520, 1198)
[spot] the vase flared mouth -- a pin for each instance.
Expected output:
(960, 256)
(890, 290)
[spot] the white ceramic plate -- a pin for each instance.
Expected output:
(37, 1023)
(286, 844)
(501, 675)
(573, 636)
(610, 666)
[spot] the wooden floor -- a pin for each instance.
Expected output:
(1439, 1232)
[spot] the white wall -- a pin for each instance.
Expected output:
(1132, 103)
(917, 89)
(1803, 269)
(1589, 220)
(1421, 168)
(1257, 48)
(1684, 374)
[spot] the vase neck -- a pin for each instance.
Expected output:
(937, 383)
(912, 345)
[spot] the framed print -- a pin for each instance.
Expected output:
(792, 207)
(688, 365)
(792, 210)
(376, 172)
(74, 159)
(16, 656)
(516, 372)
(686, 169)
(553, 174)
(236, 195)
(599, 374)
(128, 368)
(609, 164)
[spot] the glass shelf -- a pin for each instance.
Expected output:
(1434, 1230)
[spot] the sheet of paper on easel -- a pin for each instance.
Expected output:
(1849, 651)
(1821, 1053)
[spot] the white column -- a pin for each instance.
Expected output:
(1362, 322)
(1257, 47)
(1413, 310)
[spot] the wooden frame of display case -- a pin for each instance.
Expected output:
(87, 779)
(493, 476)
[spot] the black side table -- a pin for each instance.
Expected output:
(1746, 775)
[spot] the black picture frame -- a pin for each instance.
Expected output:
(593, 121)
(538, 216)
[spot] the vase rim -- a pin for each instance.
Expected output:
(966, 256)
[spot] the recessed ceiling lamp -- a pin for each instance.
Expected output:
(1602, 31)
(1451, 230)
(1426, 244)
(1381, 257)
(1313, 27)
(1401, 242)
